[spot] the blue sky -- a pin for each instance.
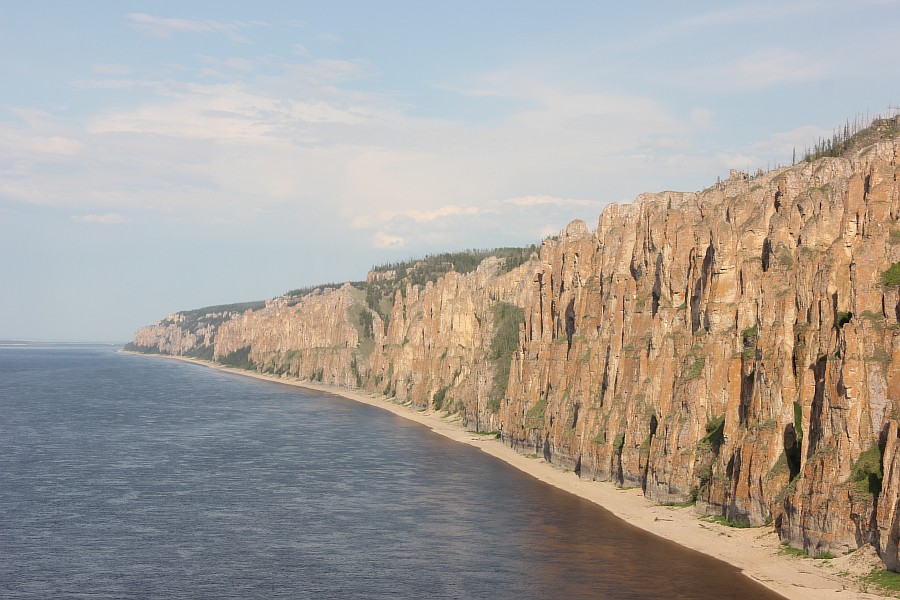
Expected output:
(160, 156)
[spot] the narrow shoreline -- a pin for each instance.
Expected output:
(756, 552)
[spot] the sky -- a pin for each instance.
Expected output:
(162, 156)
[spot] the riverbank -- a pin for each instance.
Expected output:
(755, 551)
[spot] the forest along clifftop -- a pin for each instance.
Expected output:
(738, 347)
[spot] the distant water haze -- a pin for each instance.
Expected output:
(130, 477)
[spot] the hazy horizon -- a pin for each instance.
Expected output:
(157, 157)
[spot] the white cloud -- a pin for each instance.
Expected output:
(424, 216)
(103, 219)
(233, 63)
(549, 230)
(164, 27)
(543, 200)
(385, 240)
(331, 38)
(111, 69)
(292, 139)
(701, 117)
(771, 66)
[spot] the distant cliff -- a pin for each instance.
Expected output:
(738, 347)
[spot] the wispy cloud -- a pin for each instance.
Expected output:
(772, 66)
(539, 200)
(101, 219)
(111, 69)
(164, 27)
(386, 240)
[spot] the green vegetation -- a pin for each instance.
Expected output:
(295, 296)
(380, 293)
(785, 256)
(721, 520)
(203, 352)
(894, 237)
(884, 579)
(853, 136)
(798, 419)
(890, 277)
(866, 473)
(534, 418)
(749, 335)
(715, 434)
(841, 318)
(507, 320)
(432, 266)
(365, 321)
(132, 347)
(239, 359)
(881, 356)
(786, 548)
(619, 442)
(685, 504)
(216, 315)
(693, 367)
(871, 315)
(437, 400)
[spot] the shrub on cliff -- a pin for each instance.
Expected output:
(867, 473)
(507, 319)
(891, 276)
(239, 359)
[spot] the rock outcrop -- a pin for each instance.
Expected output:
(738, 347)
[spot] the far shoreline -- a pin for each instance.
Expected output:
(756, 552)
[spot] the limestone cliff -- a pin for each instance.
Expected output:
(738, 346)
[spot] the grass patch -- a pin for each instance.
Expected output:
(507, 320)
(890, 277)
(884, 579)
(494, 434)
(749, 335)
(437, 400)
(721, 520)
(789, 550)
(881, 356)
(841, 318)
(239, 359)
(871, 315)
(715, 434)
(785, 256)
(866, 473)
(534, 418)
(684, 504)
(693, 368)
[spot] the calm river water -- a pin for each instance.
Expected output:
(125, 476)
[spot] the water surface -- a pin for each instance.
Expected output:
(125, 476)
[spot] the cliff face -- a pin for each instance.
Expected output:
(736, 346)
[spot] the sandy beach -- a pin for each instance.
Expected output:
(757, 552)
